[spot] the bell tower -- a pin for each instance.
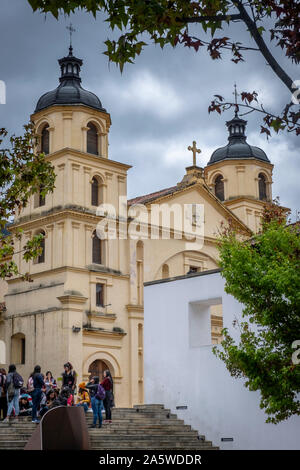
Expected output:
(240, 175)
(73, 114)
(74, 308)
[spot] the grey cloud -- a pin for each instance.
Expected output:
(140, 135)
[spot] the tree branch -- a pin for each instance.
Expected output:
(253, 108)
(263, 47)
(202, 19)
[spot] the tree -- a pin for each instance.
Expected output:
(23, 172)
(263, 274)
(169, 22)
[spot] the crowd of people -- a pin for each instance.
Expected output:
(42, 393)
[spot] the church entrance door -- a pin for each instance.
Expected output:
(97, 368)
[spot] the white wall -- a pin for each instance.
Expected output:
(179, 372)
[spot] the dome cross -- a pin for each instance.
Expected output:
(71, 30)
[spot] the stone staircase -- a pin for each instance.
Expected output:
(142, 427)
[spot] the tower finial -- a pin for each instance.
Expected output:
(71, 30)
(236, 94)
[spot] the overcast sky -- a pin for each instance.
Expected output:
(158, 106)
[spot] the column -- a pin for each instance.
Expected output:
(87, 186)
(51, 139)
(67, 128)
(84, 138)
(240, 170)
(75, 184)
(50, 254)
(59, 258)
(75, 244)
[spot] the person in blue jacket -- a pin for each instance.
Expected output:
(38, 384)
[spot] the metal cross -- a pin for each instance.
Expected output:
(236, 94)
(194, 150)
(72, 30)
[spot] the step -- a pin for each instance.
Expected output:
(12, 443)
(147, 427)
(140, 419)
(144, 436)
(150, 432)
(163, 446)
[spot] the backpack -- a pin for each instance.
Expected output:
(30, 384)
(17, 380)
(10, 390)
(2, 384)
(100, 395)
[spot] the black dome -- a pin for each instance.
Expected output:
(237, 147)
(69, 91)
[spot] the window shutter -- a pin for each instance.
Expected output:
(219, 188)
(96, 258)
(92, 139)
(45, 140)
(95, 192)
(99, 295)
(262, 187)
(41, 258)
(42, 199)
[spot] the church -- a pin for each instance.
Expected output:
(85, 304)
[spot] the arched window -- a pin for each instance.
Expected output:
(96, 255)
(18, 348)
(219, 187)
(92, 139)
(45, 140)
(262, 187)
(95, 192)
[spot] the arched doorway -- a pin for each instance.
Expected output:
(97, 368)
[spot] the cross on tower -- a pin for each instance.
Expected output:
(236, 94)
(194, 150)
(72, 30)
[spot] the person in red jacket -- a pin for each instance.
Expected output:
(108, 402)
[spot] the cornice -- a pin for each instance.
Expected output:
(240, 199)
(89, 331)
(87, 156)
(71, 108)
(72, 299)
(238, 161)
(135, 308)
(65, 269)
(55, 214)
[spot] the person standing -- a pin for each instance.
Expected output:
(108, 402)
(96, 400)
(3, 397)
(14, 383)
(69, 377)
(38, 384)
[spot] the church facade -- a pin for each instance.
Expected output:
(85, 301)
